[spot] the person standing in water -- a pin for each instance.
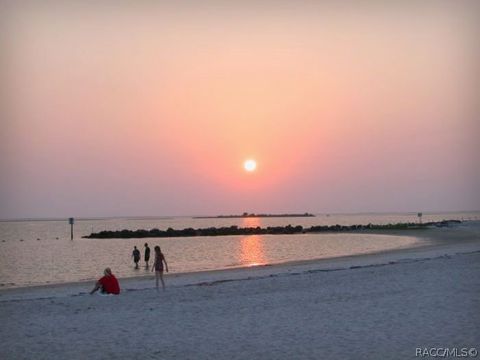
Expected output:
(136, 256)
(158, 266)
(147, 255)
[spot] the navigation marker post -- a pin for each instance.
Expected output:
(71, 221)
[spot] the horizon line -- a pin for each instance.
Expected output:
(166, 217)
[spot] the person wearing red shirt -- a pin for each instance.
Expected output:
(108, 284)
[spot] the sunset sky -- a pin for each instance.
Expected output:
(122, 108)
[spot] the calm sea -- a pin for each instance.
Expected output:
(41, 252)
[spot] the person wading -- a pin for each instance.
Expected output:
(158, 266)
(147, 255)
(136, 256)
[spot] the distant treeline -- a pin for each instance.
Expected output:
(276, 230)
(253, 215)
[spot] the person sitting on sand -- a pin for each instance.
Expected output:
(158, 266)
(108, 284)
(147, 255)
(136, 256)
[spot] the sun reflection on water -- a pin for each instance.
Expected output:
(248, 222)
(252, 251)
(252, 248)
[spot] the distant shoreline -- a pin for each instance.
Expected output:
(276, 230)
(252, 215)
(470, 215)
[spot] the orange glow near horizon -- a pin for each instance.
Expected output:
(251, 222)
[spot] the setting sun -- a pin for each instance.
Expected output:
(250, 165)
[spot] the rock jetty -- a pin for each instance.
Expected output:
(276, 230)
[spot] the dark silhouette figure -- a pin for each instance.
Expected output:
(136, 256)
(158, 266)
(147, 255)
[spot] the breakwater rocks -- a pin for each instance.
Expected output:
(276, 230)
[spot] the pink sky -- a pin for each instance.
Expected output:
(151, 109)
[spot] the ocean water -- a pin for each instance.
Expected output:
(41, 252)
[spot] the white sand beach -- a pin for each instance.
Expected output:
(377, 306)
